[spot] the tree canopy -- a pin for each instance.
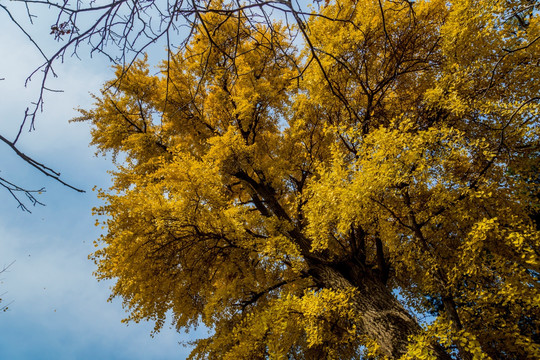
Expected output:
(359, 183)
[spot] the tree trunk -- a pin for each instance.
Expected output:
(383, 318)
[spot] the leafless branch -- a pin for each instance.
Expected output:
(4, 308)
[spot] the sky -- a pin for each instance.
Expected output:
(57, 309)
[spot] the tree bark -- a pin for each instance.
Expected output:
(382, 317)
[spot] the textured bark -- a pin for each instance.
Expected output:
(382, 317)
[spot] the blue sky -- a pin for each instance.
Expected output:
(58, 310)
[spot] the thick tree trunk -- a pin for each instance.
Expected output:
(383, 318)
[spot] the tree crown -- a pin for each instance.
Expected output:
(282, 194)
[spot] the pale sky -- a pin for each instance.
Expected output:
(58, 310)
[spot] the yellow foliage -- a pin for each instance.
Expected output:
(283, 198)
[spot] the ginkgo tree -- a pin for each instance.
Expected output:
(363, 184)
